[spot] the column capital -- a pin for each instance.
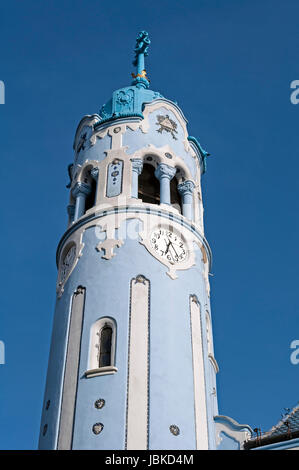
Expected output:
(186, 187)
(137, 165)
(81, 188)
(165, 171)
(94, 172)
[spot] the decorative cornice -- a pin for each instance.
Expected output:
(118, 116)
(145, 209)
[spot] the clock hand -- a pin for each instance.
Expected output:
(174, 249)
(167, 248)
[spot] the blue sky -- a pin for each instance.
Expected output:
(229, 65)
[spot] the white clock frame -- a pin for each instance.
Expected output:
(187, 263)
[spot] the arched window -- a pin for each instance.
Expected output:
(102, 348)
(105, 346)
(148, 185)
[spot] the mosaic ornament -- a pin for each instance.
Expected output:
(175, 430)
(97, 428)
(166, 124)
(99, 404)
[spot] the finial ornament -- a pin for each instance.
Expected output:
(141, 51)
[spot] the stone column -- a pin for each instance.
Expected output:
(186, 191)
(164, 173)
(137, 165)
(80, 191)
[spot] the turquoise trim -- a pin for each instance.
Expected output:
(118, 116)
(127, 101)
(137, 210)
(141, 51)
(203, 154)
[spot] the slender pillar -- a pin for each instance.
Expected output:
(71, 371)
(164, 173)
(186, 190)
(80, 191)
(137, 165)
(138, 366)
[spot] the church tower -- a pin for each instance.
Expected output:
(132, 361)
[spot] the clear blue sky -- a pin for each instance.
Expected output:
(229, 65)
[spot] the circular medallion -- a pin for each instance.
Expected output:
(168, 245)
(97, 428)
(99, 403)
(175, 430)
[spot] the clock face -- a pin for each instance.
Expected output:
(168, 245)
(67, 263)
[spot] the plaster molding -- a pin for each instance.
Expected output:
(206, 268)
(108, 247)
(234, 430)
(137, 165)
(76, 240)
(101, 371)
(92, 164)
(163, 103)
(88, 121)
(137, 409)
(214, 362)
(125, 212)
(199, 376)
(115, 131)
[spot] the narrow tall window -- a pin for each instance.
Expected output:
(105, 346)
(102, 348)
